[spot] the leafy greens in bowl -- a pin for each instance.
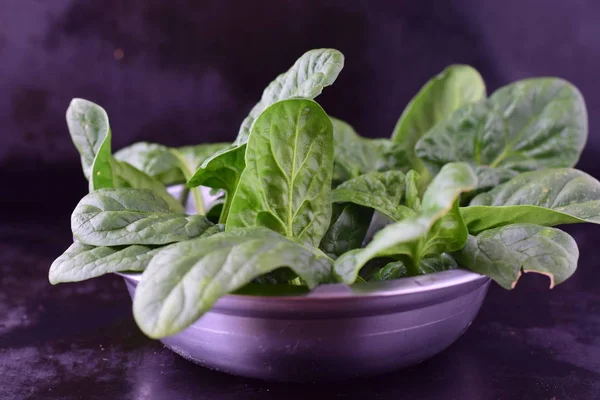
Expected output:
(465, 181)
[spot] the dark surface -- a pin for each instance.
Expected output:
(79, 341)
(188, 73)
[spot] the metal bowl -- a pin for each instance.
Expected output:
(335, 331)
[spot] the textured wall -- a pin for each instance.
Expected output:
(184, 72)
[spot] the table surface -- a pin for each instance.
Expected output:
(79, 341)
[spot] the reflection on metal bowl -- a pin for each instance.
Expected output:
(335, 331)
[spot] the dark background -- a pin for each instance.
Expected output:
(185, 72)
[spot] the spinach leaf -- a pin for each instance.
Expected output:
(313, 71)
(82, 261)
(502, 253)
(382, 191)
(528, 125)
(453, 88)
(202, 270)
(437, 263)
(548, 197)
(168, 165)
(412, 191)
(287, 180)
(392, 270)
(90, 131)
(436, 228)
(154, 160)
(355, 155)
(428, 265)
(115, 217)
(347, 230)
(221, 171)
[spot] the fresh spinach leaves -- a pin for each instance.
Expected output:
(312, 72)
(528, 125)
(549, 197)
(287, 180)
(453, 88)
(91, 134)
(115, 217)
(382, 191)
(465, 181)
(502, 253)
(204, 269)
(437, 228)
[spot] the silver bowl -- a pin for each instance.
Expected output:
(335, 331)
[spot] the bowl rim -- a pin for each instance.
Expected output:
(420, 284)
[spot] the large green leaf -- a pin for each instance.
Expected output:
(116, 217)
(90, 131)
(349, 225)
(313, 71)
(453, 88)
(287, 180)
(528, 125)
(548, 197)
(437, 228)
(355, 155)
(502, 253)
(382, 191)
(81, 261)
(202, 270)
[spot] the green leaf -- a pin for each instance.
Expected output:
(528, 125)
(502, 253)
(168, 165)
(382, 191)
(412, 191)
(203, 270)
(548, 197)
(411, 236)
(90, 131)
(392, 270)
(453, 88)
(313, 71)
(221, 171)
(449, 233)
(115, 217)
(347, 230)
(355, 155)
(429, 265)
(287, 180)
(308, 76)
(153, 159)
(81, 261)
(438, 263)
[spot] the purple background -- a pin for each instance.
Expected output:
(190, 71)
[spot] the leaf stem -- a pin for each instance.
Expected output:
(187, 173)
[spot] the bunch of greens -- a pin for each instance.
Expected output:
(465, 181)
